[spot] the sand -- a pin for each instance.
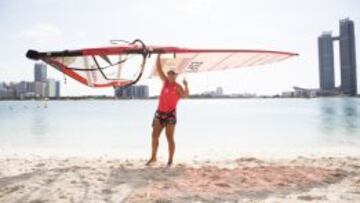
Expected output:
(246, 179)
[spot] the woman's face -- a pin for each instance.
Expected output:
(171, 76)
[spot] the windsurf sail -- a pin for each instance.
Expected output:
(204, 60)
(121, 66)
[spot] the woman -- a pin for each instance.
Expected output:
(165, 115)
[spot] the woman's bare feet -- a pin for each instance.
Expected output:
(169, 164)
(151, 161)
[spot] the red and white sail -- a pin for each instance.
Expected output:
(124, 65)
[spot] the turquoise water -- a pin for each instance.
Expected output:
(204, 126)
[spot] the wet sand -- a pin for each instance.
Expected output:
(246, 179)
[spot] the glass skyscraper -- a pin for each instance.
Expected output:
(326, 61)
(40, 72)
(57, 88)
(348, 57)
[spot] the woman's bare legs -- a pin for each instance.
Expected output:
(157, 129)
(170, 129)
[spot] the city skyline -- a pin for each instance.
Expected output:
(239, 25)
(41, 87)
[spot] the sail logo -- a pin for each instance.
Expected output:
(194, 66)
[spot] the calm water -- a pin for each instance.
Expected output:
(204, 126)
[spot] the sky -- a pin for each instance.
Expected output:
(258, 24)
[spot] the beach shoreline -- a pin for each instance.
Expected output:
(245, 179)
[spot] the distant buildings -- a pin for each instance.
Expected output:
(7, 90)
(41, 87)
(132, 92)
(300, 92)
(347, 60)
(218, 92)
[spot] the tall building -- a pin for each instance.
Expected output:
(40, 72)
(326, 61)
(348, 57)
(347, 60)
(51, 88)
(57, 89)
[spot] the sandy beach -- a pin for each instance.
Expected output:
(246, 179)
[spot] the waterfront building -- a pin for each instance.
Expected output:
(326, 61)
(40, 72)
(348, 57)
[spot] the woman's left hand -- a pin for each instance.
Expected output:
(185, 82)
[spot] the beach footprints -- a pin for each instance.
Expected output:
(45, 186)
(118, 181)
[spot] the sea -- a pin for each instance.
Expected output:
(206, 128)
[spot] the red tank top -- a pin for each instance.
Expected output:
(169, 97)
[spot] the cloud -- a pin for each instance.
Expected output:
(42, 32)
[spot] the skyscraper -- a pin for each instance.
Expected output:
(57, 89)
(348, 57)
(326, 61)
(51, 88)
(40, 72)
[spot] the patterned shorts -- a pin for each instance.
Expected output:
(165, 118)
